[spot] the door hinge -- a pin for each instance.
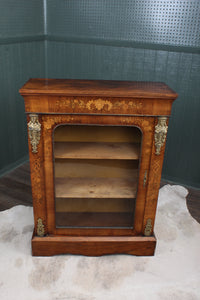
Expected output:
(148, 228)
(40, 227)
(145, 178)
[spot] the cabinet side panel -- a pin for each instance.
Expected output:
(154, 177)
(146, 124)
(49, 123)
(37, 179)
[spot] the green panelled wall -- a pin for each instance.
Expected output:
(156, 40)
(21, 57)
(21, 19)
(181, 71)
(161, 24)
(18, 62)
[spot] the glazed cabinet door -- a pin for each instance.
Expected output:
(96, 173)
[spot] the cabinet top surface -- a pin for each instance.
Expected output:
(107, 88)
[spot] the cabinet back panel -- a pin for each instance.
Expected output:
(87, 133)
(94, 205)
(96, 168)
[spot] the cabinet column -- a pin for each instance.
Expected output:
(36, 152)
(155, 172)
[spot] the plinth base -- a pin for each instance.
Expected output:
(93, 245)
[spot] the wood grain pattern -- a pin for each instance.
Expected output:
(15, 189)
(37, 183)
(96, 168)
(94, 219)
(94, 205)
(51, 121)
(88, 150)
(95, 187)
(99, 104)
(93, 246)
(76, 87)
(155, 172)
(104, 105)
(97, 134)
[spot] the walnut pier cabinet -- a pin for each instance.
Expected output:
(96, 151)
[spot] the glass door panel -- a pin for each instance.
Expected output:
(96, 175)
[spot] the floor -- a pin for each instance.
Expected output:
(15, 189)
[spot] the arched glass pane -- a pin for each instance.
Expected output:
(96, 172)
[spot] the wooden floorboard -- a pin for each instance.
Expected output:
(193, 203)
(15, 189)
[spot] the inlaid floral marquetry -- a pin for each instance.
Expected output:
(96, 105)
(99, 104)
(96, 151)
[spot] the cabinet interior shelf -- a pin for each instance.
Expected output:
(96, 150)
(95, 187)
(104, 139)
(94, 205)
(94, 219)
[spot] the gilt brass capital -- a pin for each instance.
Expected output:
(160, 133)
(34, 131)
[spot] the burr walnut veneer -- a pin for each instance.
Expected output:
(96, 151)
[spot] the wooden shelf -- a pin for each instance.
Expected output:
(95, 188)
(94, 219)
(91, 150)
(96, 168)
(91, 205)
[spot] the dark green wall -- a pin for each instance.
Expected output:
(138, 23)
(181, 71)
(21, 57)
(155, 40)
(21, 18)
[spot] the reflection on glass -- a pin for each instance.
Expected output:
(96, 175)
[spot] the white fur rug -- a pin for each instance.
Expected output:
(173, 273)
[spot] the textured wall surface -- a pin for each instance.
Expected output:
(181, 71)
(18, 62)
(21, 57)
(21, 18)
(136, 40)
(158, 22)
(156, 40)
